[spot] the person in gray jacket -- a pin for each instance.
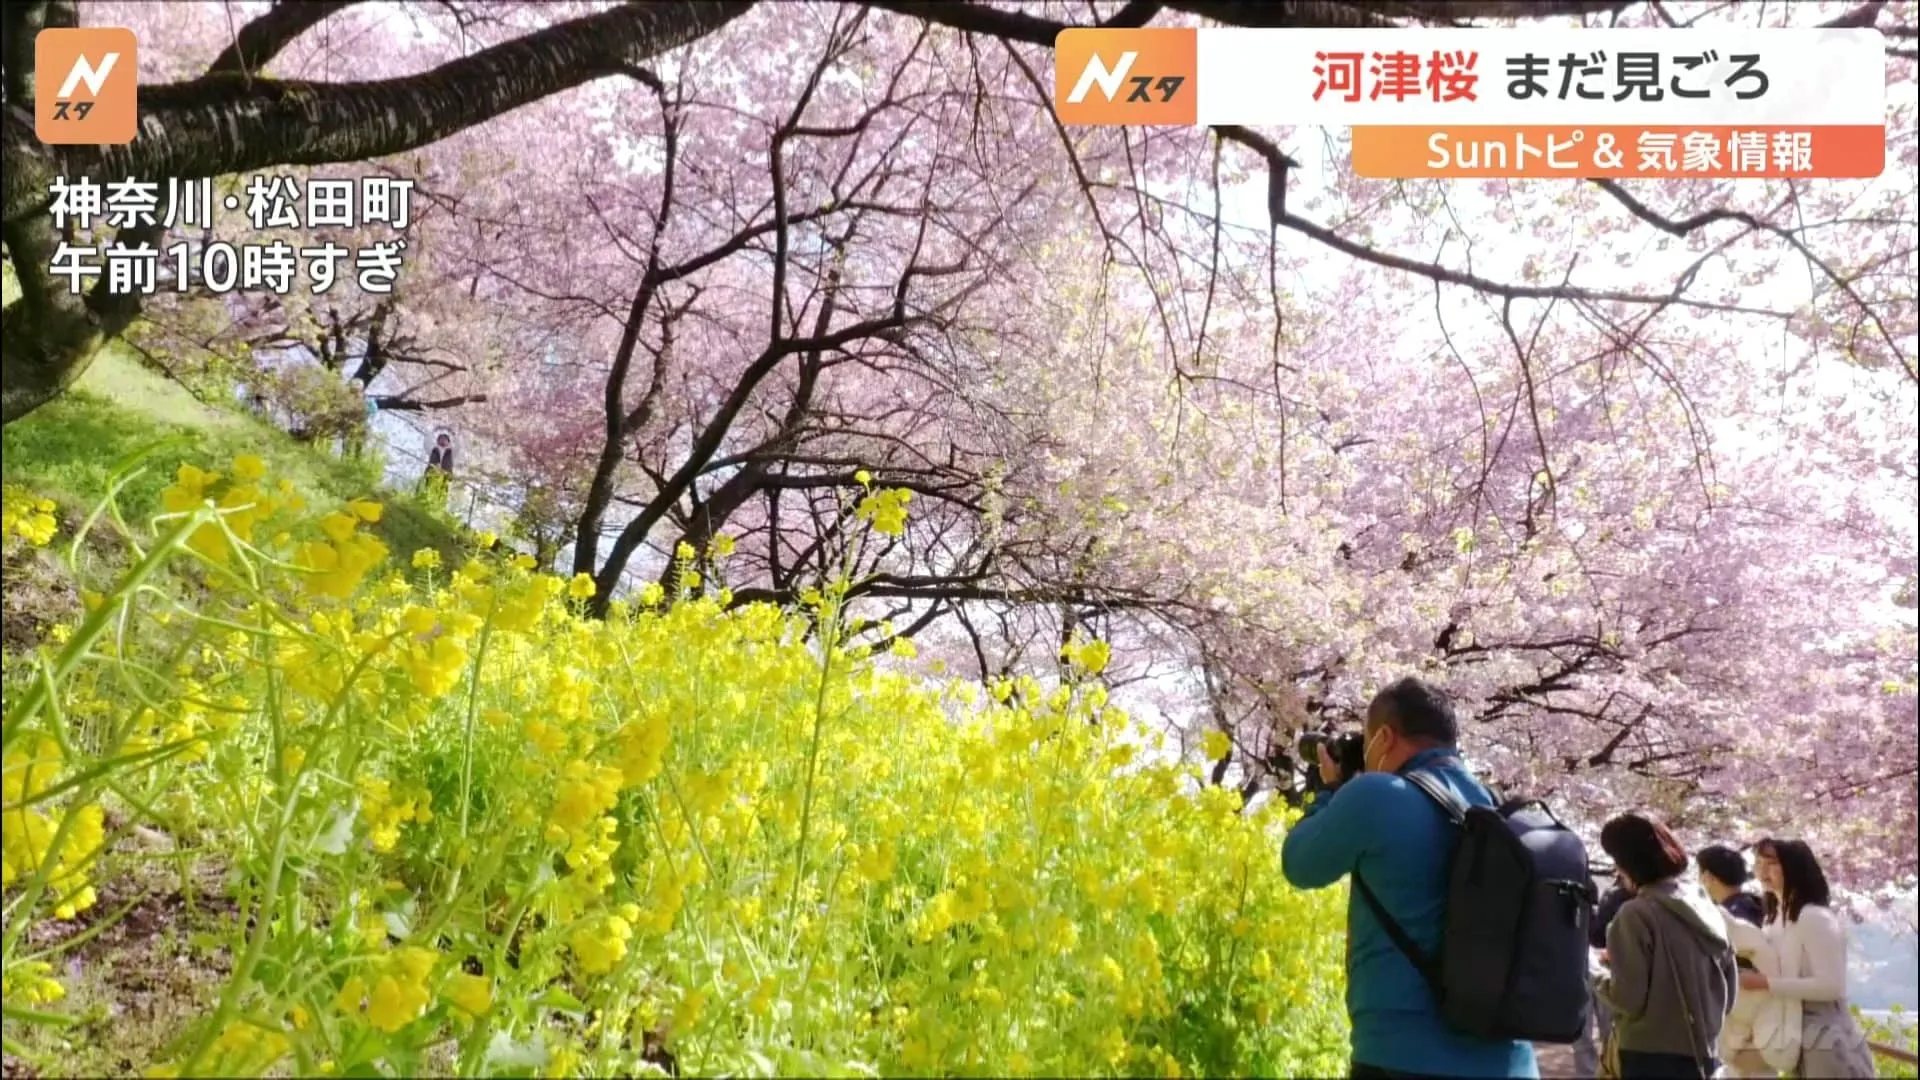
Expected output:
(1671, 972)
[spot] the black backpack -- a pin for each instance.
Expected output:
(1513, 948)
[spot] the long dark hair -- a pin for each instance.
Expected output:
(1802, 882)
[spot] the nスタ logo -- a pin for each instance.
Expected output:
(85, 85)
(1110, 80)
(1126, 76)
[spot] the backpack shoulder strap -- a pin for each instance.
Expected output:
(1513, 806)
(1436, 789)
(1456, 812)
(1420, 961)
(1673, 910)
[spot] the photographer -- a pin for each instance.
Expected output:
(1379, 825)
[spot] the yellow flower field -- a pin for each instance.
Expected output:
(475, 832)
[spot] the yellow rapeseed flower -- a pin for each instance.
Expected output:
(601, 943)
(30, 984)
(586, 792)
(248, 468)
(27, 516)
(642, 746)
(435, 666)
(886, 511)
(471, 994)
(397, 995)
(1215, 745)
(244, 1048)
(189, 489)
(339, 527)
(338, 568)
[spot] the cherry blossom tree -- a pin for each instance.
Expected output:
(235, 118)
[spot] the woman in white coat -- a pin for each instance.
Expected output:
(1812, 962)
(1762, 1033)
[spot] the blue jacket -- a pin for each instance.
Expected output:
(1747, 907)
(1403, 845)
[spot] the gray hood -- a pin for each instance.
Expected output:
(1692, 906)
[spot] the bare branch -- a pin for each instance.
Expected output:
(261, 40)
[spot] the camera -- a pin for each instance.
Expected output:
(1346, 748)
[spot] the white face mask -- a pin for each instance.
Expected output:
(1366, 750)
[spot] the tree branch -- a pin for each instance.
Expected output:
(261, 40)
(1684, 226)
(227, 122)
(401, 403)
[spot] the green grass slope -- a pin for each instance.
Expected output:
(70, 450)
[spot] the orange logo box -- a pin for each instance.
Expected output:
(85, 85)
(1127, 76)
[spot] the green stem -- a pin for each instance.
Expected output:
(257, 944)
(829, 641)
(99, 927)
(40, 696)
(473, 708)
(827, 646)
(34, 1016)
(40, 692)
(466, 750)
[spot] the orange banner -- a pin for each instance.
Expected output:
(1406, 153)
(1127, 76)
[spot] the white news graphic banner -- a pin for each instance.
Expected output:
(1804, 77)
